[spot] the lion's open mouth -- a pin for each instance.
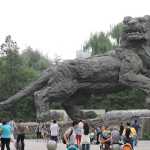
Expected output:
(135, 34)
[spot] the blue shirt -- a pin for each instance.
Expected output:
(6, 131)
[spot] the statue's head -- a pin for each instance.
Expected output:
(136, 31)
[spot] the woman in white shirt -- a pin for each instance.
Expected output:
(85, 137)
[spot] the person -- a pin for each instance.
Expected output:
(136, 126)
(127, 135)
(6, 132)
(44, 131)
(115, 139)
(86, 138)
(38, 130)
(20, 131)
(79, 132)
(54, 131)
(105, 137)
(121, 129)
(98, 132)
(115, 136)
(70, 136)
(92, 136)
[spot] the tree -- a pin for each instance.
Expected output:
(115, 32)
(98, 43)
(11, 67)
(34, 59)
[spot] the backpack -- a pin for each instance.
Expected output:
(115, 136)
(72, 147)
(127, 147)
(63, 139)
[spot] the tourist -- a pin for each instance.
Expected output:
(44, 131)
(86, 138)
(98, 132)
(127, 135)
(105, 137)
(92, 136)
(6, 132)
(121, 128)
(115, 136)
(20, 130)
(38, 130)
(54, 131)
(137, 128)
(70, 136)
(79, 132)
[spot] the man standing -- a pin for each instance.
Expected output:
(54, 131)
(6, 132)
(20, 129)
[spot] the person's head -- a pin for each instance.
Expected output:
(74, 123)
(128, 132)
(54, 121)
(121, 123)
(103, 128)
(106, 127)
(4, 122)
(128, 123)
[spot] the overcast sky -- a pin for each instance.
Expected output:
(60, 27)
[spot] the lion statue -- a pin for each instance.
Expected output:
(127, 67)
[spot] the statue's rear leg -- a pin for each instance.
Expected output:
(60, 91)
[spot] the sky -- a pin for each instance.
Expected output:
(60, 27)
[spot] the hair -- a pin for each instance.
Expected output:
(74, 123)
(128, 123)
(128, 132)
(54, 121)
(4, 122)
(86, 128)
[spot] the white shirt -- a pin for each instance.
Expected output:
(54, 128)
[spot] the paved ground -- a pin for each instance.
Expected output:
(41, 145)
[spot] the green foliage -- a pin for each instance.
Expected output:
(33, 59)
(17, 71)
(146, 136)
(127, 99)
(115, 32)
(98, 43)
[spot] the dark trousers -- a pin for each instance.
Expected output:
(20, 138)
(54, 138)
(5, 141)
(85, 146)
(38, 134)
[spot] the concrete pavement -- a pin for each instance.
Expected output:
(41, 145)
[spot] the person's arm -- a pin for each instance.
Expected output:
(66, 135)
